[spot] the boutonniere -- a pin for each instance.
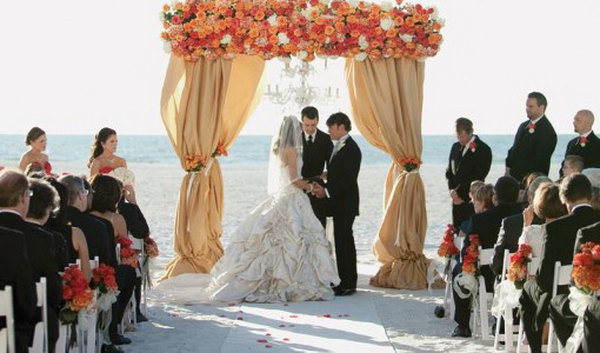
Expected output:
(341, 145)
(583, 141)
(531, 128)
(473, 146)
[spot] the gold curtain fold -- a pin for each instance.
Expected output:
(204, 104)
(386, 98)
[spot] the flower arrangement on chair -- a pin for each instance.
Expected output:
(586, 268)
(517, 271)
(78, 298)
(128, 255)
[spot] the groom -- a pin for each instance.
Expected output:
(341, 191)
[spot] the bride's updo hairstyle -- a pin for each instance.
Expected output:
(287, 134)
(101, 137)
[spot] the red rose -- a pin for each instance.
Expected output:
(596, 252)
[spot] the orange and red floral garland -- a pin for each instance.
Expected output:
(302, 28)
(471, 256)
(447, 248)
(76, 293)
(195, 162)
(517, 271)
(586, 268)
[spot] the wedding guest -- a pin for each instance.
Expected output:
(560, 312)
(39, 245)
(465, 227)
(74, 237)
(572, 164)
(317, 148)
(587, 144)
(103, 159)
(512, 226)
(36, 140)
(523, 199)
(593, 174)
(470, 159)
(575, 193)
(94, 231)
(107, 194)
(534, 142)
(486, 225)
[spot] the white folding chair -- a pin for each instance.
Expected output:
(63, 338)
(95, 263)
(40, 333)
(562, 277)
(509, 328)
(118, 253)
(7, 334)
(484, 299)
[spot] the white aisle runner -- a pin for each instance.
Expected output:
(346, 324)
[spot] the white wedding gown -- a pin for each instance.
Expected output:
(279, 253)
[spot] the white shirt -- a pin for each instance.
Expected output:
(466, 147)
(536, 120)
(314, 135)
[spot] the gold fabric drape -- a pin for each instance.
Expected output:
(387, 98)
(204, 104)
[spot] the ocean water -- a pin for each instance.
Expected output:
(157, 149)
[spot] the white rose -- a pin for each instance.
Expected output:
(360, 57)
(407, 38)
(302, 55)
(173, 3)
(306, 13)
(362, 42)
(272, 20)
(161, 16)
(386, 5)
(283, 38)
(167, 47)
(386, 23)
(353, 3)
(226, 39)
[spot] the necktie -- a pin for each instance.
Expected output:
(335, 150)
(310, 140)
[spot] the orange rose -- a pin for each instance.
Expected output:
(260, 15)
(329, 30)
(339, 26)
(320, 21)
(281, 21)
(434, 38)
(355, 33)
(166, 8)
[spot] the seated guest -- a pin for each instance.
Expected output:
(575, 193)
(15, 271)
(560, 312)
(486, 225)
(594, 175)
(465, 227)
(511, 227)
(546, 205)
(75, 240)
(39, 244)
(572, 164)
(96, 235)
(107, 193)
(523, 199)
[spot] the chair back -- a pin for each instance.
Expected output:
(7, 335)
(486, 256)
(562, 276)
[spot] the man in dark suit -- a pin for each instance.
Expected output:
(576, 193)
(534, 143)
(486, 225)
(15, 271)
(512, 227)
(587, 144)
(470, 159)
(39, 244)
(316, 151)
(341, 192)
(560, 313)
(95, 232)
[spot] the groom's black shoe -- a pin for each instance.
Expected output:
(461, 332)
(348, 291)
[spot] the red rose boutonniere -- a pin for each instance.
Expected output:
(583, 141)
(473, 146)
(531, 128)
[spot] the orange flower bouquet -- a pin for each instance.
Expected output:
(195, 163)
(586, 268)
(517, 271)
(104, 280)
(150, 247)
(410, 164)
(447, 248)
(471, 256)
(128, 255)
(77, 294)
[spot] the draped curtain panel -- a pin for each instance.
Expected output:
(387, 98)
(205, 104)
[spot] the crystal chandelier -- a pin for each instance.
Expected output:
(302, 93)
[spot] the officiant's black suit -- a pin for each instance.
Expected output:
(40, 248)
(468, 168)
(559, 243)
(590, 153)
(531, 152)
(343, 203)
(315, 156)
(15, 271)
(562, 317)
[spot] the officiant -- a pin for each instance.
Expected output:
(317, 148)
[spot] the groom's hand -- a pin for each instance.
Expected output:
(318, 191)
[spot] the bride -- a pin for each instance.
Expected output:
(280, 252)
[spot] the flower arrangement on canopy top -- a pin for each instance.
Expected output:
(128, 255)
(447, 248)
(410, 164)
(77, 294)
(471, 256)
(302, 28)
(586, 268)
(517, 271)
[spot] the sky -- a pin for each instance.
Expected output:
(76, 66)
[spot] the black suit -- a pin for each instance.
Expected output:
(531, 152)
(15, 271)
(486, 225)
(95, 234)
(343, 202)
(591, 327)
(40, 248)
(508, 238)
(535, 298)
(464, 169)
(560, 313)
(315, 156)
(590, 152)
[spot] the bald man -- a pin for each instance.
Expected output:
(587, 144)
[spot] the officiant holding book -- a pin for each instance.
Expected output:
(317, 148)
